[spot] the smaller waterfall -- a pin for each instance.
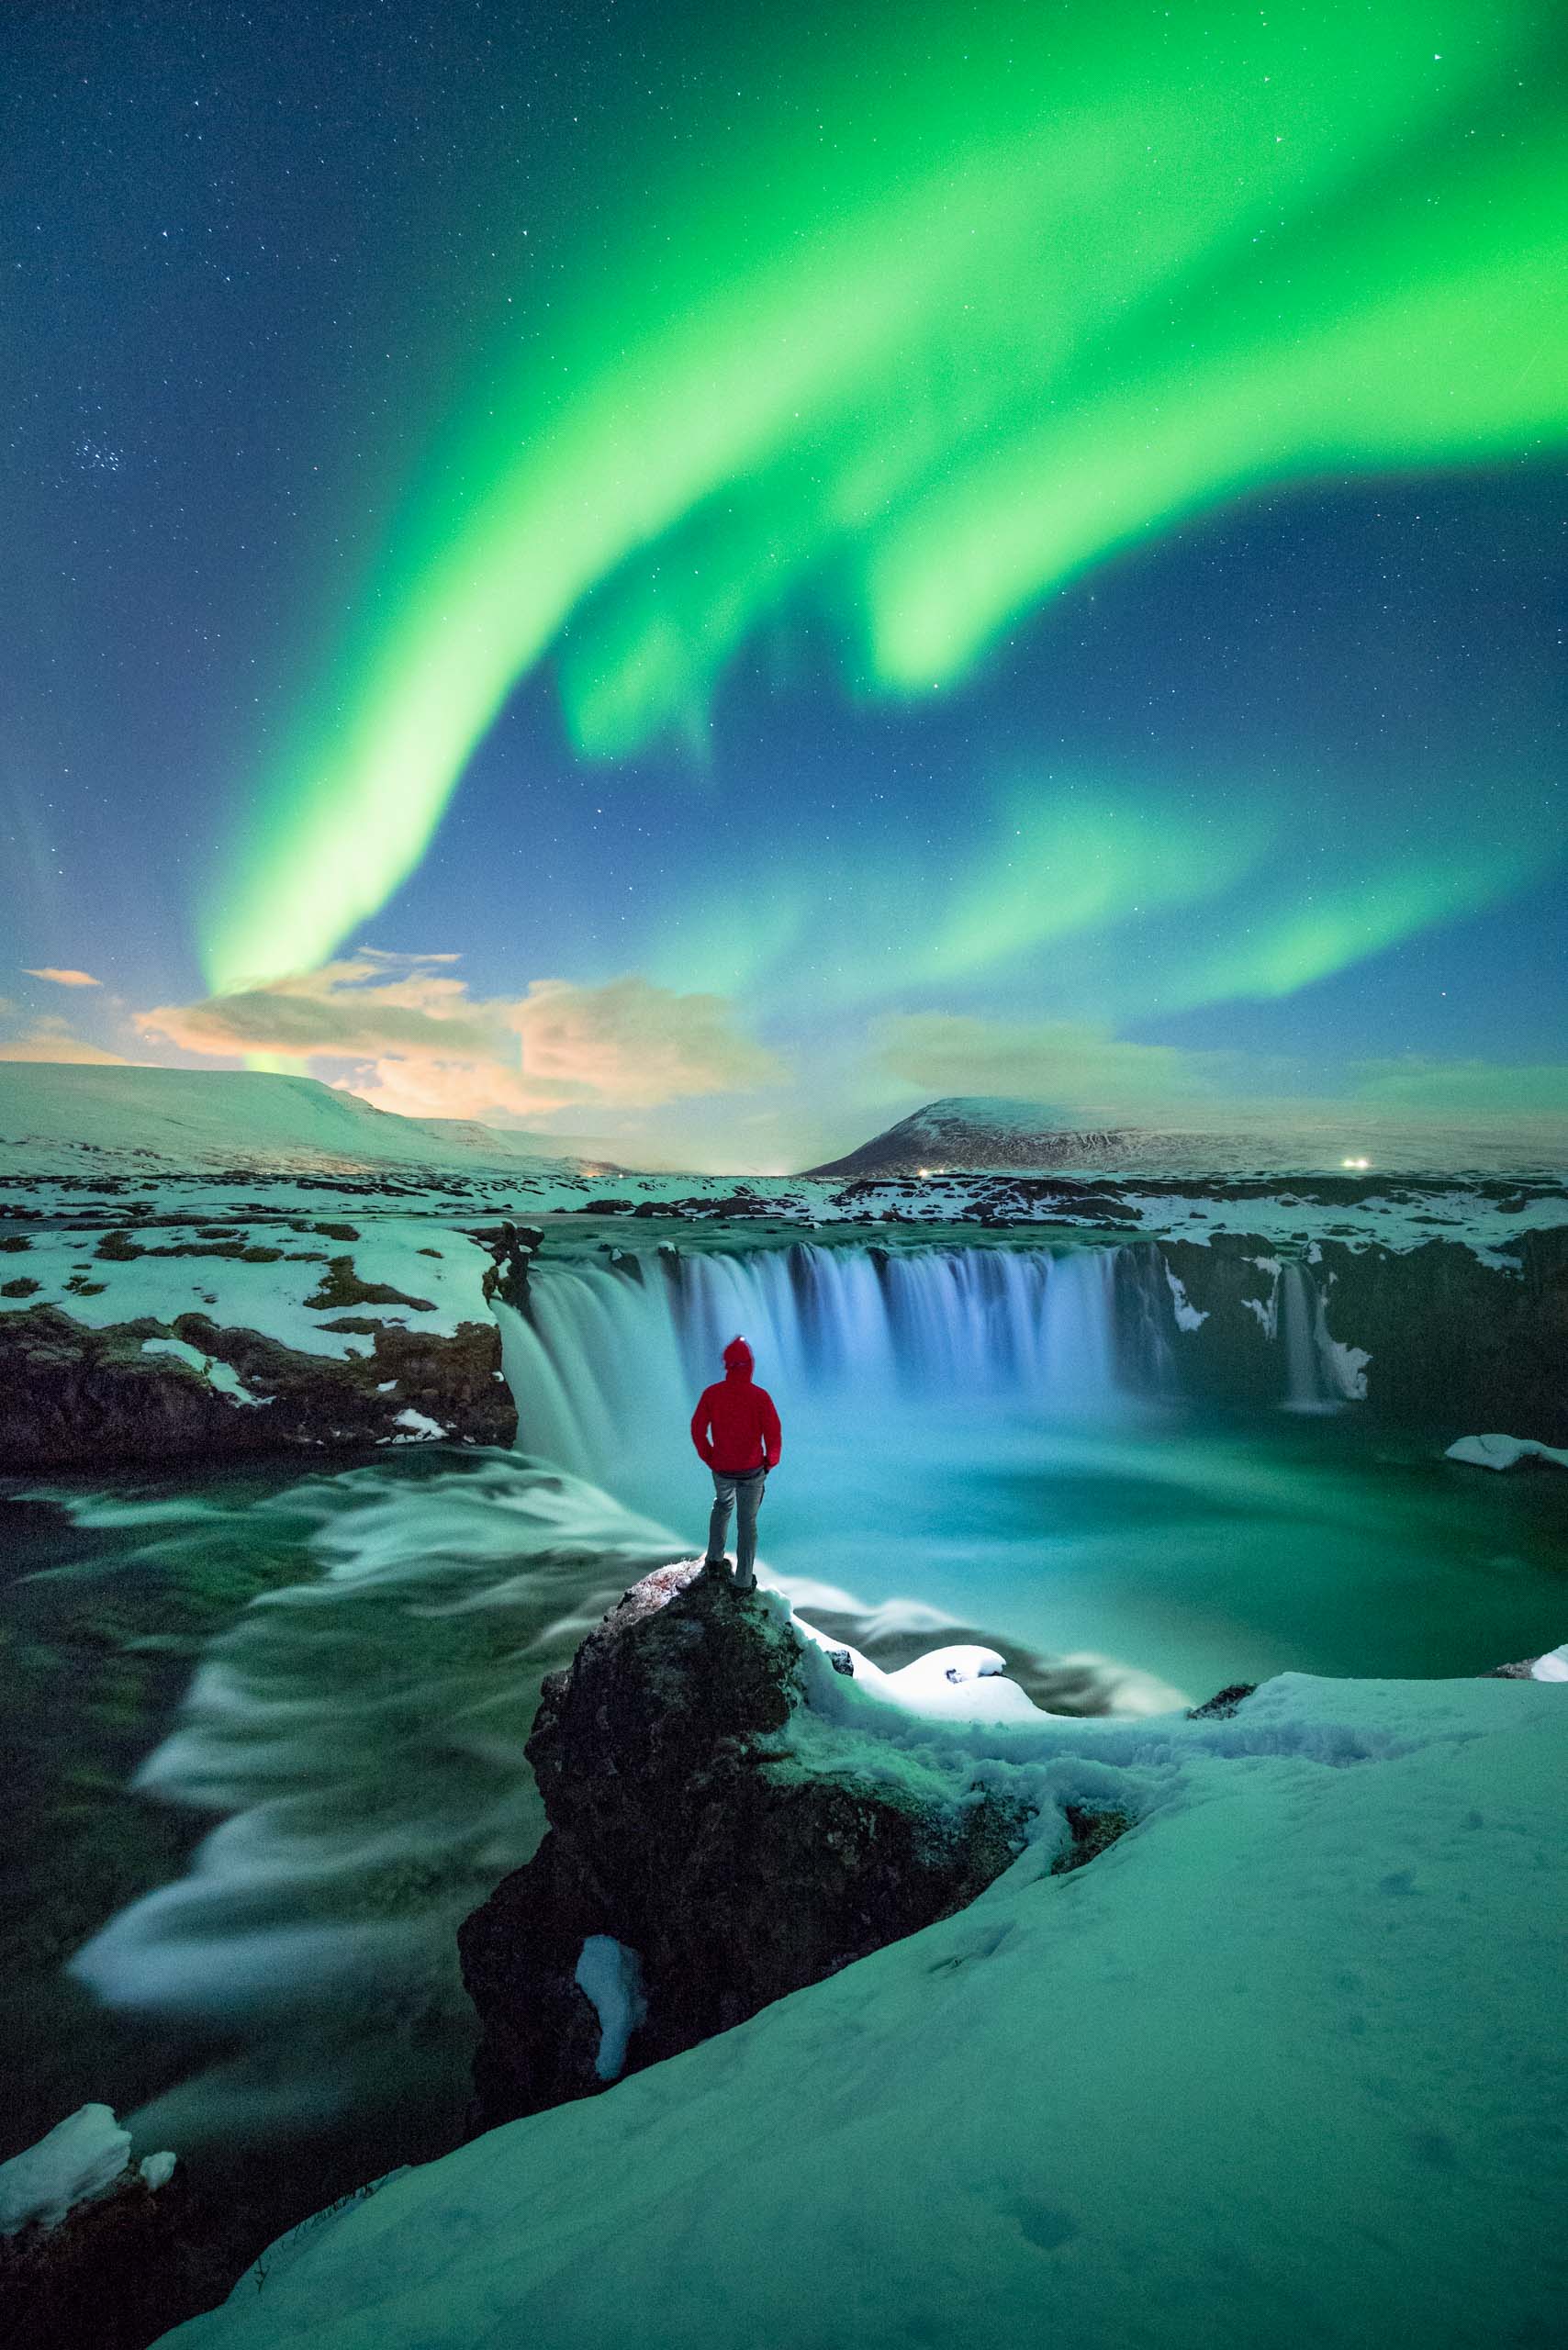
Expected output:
(1321, 1375)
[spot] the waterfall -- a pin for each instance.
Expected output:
(1320, 1374)
(610, 1357)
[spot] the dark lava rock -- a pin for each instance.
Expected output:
(1452, 1341)
(1223, 1704)
(114, 2273)
(340, 1286)
(71, 1395)
(683, 1826)
(512, 1248)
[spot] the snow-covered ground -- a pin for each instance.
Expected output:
(1281, 2066)
(1397, 1217)
(254, 1274)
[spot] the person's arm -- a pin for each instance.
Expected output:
(772, 1434)
(699, 1436)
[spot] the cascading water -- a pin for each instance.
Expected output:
(933, 1399)
(1320, 1374)
(938, 1403)
(607, 1363)
(1304, 1386)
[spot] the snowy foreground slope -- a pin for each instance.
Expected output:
(1283, 2065)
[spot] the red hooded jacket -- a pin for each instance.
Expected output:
(735, 1427)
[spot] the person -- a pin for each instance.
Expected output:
(737, 1432)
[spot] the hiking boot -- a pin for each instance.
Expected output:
(716, 1570)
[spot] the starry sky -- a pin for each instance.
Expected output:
(710, 575)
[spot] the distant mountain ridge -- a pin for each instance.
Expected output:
(196, 1117)
(978, 1133)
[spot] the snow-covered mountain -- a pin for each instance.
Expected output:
(59, 1115)
(971, 1134)
(965, 1132)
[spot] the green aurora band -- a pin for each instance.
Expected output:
(946, 333)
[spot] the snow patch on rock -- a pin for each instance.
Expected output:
(610, 1977)
(1188, 1316)
(82, 2159)
(1504, 1451)
(220, 1375)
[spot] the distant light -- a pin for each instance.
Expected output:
(1355, 1162)
(923, 1171)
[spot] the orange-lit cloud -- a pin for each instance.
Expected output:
(63, 979)
(418, 1044)
(51, 1040)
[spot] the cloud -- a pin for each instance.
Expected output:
(422, 1046)
(63, 979)
(1084, 1074)
(390, 955)
(1416, 1086)
(51, 1040)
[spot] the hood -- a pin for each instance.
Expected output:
(737, 1360)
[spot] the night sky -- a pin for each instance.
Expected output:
(712, 574)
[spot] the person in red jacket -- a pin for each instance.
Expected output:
(737, 1432)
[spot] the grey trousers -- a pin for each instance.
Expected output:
(744, 1495)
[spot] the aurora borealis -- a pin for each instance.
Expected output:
(1044, 520)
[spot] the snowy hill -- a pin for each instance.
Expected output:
(971, 1134)
(59, 1115)
(968, 1132)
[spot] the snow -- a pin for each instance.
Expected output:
(1266, 1309)
(183, 1141)
(611, 1977)
(1188, 1316)
(64, 1115)
(1552, 1666)
(1504, 1451)
(1276, 2067)
(419, 1424)
(83, 2158)
(1346, 1365)
(440, 1269)
(220, 1375)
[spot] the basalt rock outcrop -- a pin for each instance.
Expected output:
(685, 1828)
(1449, 1337)
(71, 1395)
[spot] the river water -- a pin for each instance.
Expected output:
(265, 1730)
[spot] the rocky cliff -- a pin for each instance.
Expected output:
(1445, 1334)
(148, 1341)
(712, 1847)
